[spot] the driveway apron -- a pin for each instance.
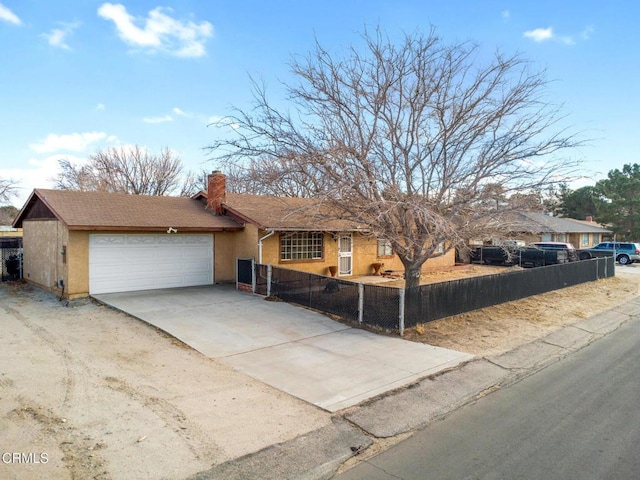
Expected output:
(293, 349)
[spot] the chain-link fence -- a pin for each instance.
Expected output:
(11, 259)
(431, 302)
(393, 308)
(381, 306)
(326, 294)
(261, 276)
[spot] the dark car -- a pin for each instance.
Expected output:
(572, 254)
(625, 252)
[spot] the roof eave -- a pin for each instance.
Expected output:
(17, 222)
(314, 229)
(126, 228)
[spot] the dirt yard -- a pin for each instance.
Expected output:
(500, 328)
(89, 393)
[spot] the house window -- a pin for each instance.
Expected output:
(301, 246)
(584, 241)
(384, 248)
(439, 249)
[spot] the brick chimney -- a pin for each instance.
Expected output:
(216, 189)
(589, 218)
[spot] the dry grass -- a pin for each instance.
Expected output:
(454, 273)
(499, 328)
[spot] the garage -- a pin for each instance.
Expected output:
(128, 262)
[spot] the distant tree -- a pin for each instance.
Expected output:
(279, 176)
(130, 170)
(531, 200)
(619, 201)
(7, 214)
(405, 138)
(8, 190)
(578, 204)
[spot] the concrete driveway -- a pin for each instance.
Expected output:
(293, 349)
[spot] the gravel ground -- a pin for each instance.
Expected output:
(90, 393)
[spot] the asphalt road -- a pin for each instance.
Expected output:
(577, 419)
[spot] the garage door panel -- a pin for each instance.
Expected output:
(119, 263)
(195, 268)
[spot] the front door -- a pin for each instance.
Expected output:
(345, 254)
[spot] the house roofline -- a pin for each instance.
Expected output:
(316, 229)
(17, 222)
(105, 228)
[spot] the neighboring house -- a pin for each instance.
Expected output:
(537, 226)
(8, 231)
(581, 233)
(80, 243)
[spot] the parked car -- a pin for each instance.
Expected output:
(503, 253)
(572, 253)
(535, 256)
(530, 256)
(625, 252)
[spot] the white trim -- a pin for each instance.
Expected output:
(343, 255)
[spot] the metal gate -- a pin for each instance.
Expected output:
(245, 279)
(10, 259)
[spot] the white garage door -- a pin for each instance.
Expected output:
(122, 263)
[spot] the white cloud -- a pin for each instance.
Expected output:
(180, 112)
(222, 122)
(100, 107)
(58, 36)
(8, 16)
(161, 32)
(506, 14)
(215, 119)
(544, 34)
(38, 173)
(539, 34)
(567, 40)
(73, 142)
(163, 119)
(586, 33)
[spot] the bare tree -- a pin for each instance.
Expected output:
(275, 176)
(408, 138)
(130, 170)
(8, 190)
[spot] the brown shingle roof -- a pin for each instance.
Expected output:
(286, 213)
(113, 211)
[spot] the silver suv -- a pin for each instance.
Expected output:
(625, 252)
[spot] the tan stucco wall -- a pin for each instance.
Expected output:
(78, 264)
(576, 240)
(43, 262)
(223, 261)
(44, 265)
(246, 242)
(365, 254)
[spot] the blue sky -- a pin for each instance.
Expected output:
(80, 76)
